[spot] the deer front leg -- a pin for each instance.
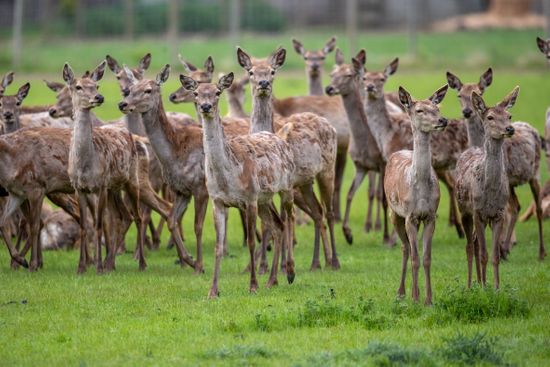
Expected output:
(469, 232)
(411, 226)
(479, 226)
(83, 209)
(341, 158)
(535, 190)
(220, 214)
(201, 204)
(399, 224)
(13, 204)
(513, 208)
(429, 228)
(358, 179)
(371, 191)
(251, 214)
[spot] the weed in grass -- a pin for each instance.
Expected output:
(478, 304)
(466, 351)
(240, 351)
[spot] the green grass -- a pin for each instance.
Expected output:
(350, 317)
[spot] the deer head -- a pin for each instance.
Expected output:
(262, 71)
(314, 59)
(84, 91)
(200, 75)
(237, 90)
(63, 106)
(207, 95)
(465, 90)
(123, 81)
(346, 78)
(497, 119)
(11, 105)
(424, 114)
(6, 80)
(374, 80)
(144, 95)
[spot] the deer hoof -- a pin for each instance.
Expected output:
(348, 235)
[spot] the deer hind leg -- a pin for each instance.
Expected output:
(201, 204)
(379, 195)
(287, 203)
(454, 219)
(99, 213)
(467, 222)
(13, 204)
(497, 227)
(341, 158)
(220, 212)
(31, 210)
(480, 236)
(535, 189)
(411, 226)
(427, 236)
(326, 190)
(136, 196)
(399, 224)
(273, 224)
(358, 179)
(251, 215)
(371, 191)
(513, 209)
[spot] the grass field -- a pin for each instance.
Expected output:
(350, 317)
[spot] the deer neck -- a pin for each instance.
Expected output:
(421, 161)
(8, 158)
(134, 124)
(82, 145)
(235, 107)
(379, 121)
(475, 130)
(316, 85)
(10, 128)
(494, 164)
(160, 133)
(219, 166)
(262, 114)
(360, 131)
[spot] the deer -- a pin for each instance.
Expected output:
(246, 172)
(312, 140)
(347, 81)
(544, 203)
(412, 190)
(236, 94)
(394, 132)
(522, 152)
(181, 95)
(482, 185)
(108, 160)
(10, 109)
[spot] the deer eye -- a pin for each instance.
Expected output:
(18, 103)
(118, 78)
(419, 111)
(196, 94)
(510, 117)
(147, 91)
(272, 72)
(78, 87)
(490, 118)
(383, 79)
(218, 93)
(250, 73)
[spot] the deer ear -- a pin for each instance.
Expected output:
(225, 81)
(357, 65)
(479, 104)
(97, 74)
(130, 74)
(339, 57)
(68, 75)
(54, 86)
(362, 57)
(23, 91)
(244, 59)
(392, 67)
(298, 47)
(209, 65)
(405, 98)
(189, 68)
(188, 83)
(509, 101)
(144, 63)
(453, 81)
(277, 59)
(485, 80)
(330, 45)
(439, 94)
(543, 45)
(7, 79)
(113, 64)
(163, 74)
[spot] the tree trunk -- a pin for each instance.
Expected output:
(17, 29)
(129, 19)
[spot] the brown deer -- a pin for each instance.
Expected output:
(482, 185)
(347, 81)
(244, 172)
(522, 152)
(315, 61)
(236, 94)
(393, 132)
(311, 139)
(10, 107)
(544, 203)
(7, 79)
(200, 75)
(411, 186)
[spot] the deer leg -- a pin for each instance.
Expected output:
(317, 215)
(327, 191)
(480, 234)
(535, 190)
(358, 179)
(379, 195)
(242, 215)
(497, 227)
(371, 191)
(83, 208)
(220, 212)
(341, 158)
(100, 206)
(454, 219)
(513, 206)
(31, 210)
(251, 215)
(399, 224)
(469, 232)
(427, 235)
(201, 204)
(388, 240)
(411, 226)
(272, 223)
(12, 205)
(288, 230)
(135, 208)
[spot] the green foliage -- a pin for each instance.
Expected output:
(479, 304)
(467, 351)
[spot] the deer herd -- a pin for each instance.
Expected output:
(104, 176)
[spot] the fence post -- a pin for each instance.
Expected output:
(412, 18)
(129, 19)
(16, 33)
(173, 22)
(351, 24)
(234, 22)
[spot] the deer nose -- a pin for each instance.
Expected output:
(264, 84)
(315, 67)
(206, 107)
(467, 112)
(443, 121)
(329, 90)
(52, 111)
(172, 97)
(8, 115)
(122, 105)
(510, 130)
(99, 98)
(370, 88)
